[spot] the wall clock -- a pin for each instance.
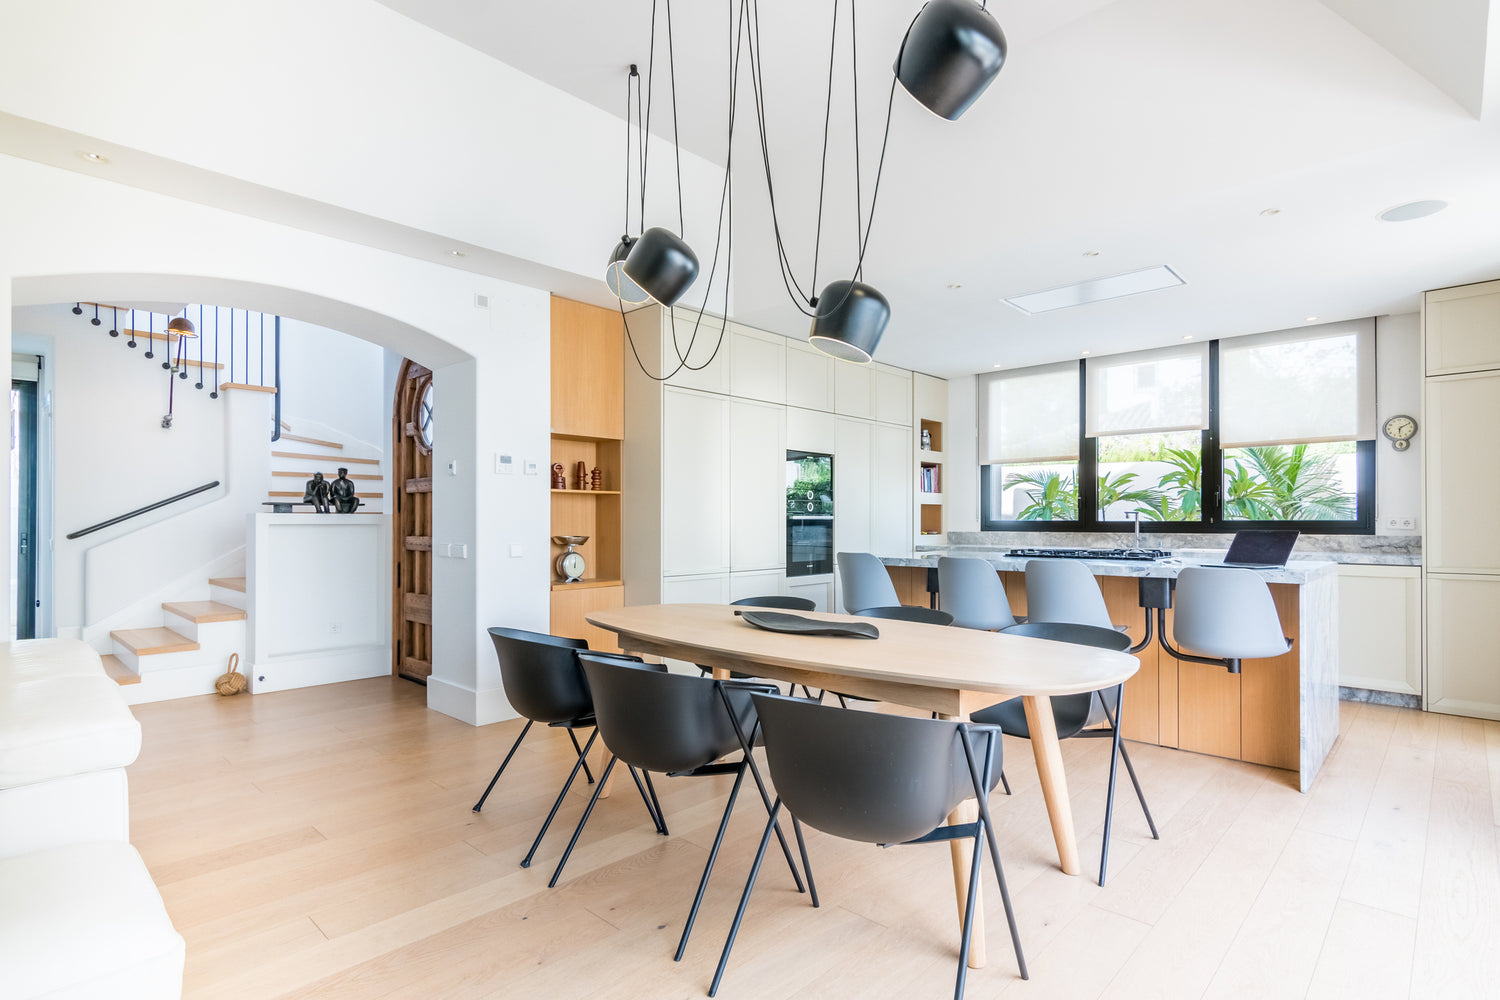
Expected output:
(1400, 429)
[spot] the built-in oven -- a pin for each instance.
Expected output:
(809, 513)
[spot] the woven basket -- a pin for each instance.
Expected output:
(232, 682)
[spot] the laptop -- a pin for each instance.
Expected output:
(1260, 549)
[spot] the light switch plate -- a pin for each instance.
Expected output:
(530, 467)
(504, 464)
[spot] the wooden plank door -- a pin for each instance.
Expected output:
(411, 548)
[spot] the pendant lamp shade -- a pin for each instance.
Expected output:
(850, 319)
(182, 326)
(950, 54)
(614, 275)
(661, 264)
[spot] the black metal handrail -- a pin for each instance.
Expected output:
(144, 510)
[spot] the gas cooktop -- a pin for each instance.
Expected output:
(1125, 555)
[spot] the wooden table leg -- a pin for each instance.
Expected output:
(962, 850)
(1049, 769)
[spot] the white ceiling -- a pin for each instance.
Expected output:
(1153, 131)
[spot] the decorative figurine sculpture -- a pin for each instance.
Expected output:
(926, 439)
(582, 476)
(317, 493)
(341, 492)
(596, 479)
(559, 479)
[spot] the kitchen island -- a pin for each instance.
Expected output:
(1282, 712)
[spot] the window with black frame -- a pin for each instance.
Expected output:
(1276, 429)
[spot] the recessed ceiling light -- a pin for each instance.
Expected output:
(955, 285)
(90, 156)
(1083, 352)
(1311, 319)
(1412, 210)
(1270, 211)
(1091, 253)
(996, 366)
(1188, 337)
(455, 253)
(1096, 290)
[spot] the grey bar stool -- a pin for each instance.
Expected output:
(1063, 590)
(866, 582)
(1224, 616)
(973, 594)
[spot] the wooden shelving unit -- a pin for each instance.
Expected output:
(588, 426)
(929, 412)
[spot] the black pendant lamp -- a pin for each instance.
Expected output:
(618, 281)
(849, 322)
(661, 264)
(950, 54)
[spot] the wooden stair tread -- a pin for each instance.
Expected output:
(253, 388)
(316, 441)
(322, 458)
(200, 612)
(329, 475)
(228, 583)
(299, 494)
(148, 641)
(118, 671)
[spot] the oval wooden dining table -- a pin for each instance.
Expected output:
(936, 668)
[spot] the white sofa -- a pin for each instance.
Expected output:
(79, 915)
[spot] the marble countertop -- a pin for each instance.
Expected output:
(1297, 570)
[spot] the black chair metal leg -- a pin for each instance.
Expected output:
(526, 861)
(982, 781)
(1004, 783)
(968, 935)
(812, 887)
(587, 812)
(586, 772)
(660, 816)
(1130, 770)
(650, 809)
(1109, 802)
(713, 854)
(747, 747)
(513, 747)
(843, 702)
(739, 913)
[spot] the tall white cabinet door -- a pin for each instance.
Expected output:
(810, 430)
(851, 390)
(1463, 645)
(1380, 628)
(694, 483)
(1463, 478)
(757, 485)
(890, 490)
(851, 486)
(890, 392)
(809, 377)
(1463, 328)
(757, 365)
(705, 345)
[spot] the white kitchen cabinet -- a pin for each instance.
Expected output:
(1463, 645)
(757, 485)
(851, 390)
(890, 390)
(810, 430)
(762, 583)
(1380, 628)
(809, 377)
(1463, 479)
(695, 497)
(852, 502)
(706, 345)
(706, 589)
(890, 490)
(1462, 327)
(757, 365)
(818, 589)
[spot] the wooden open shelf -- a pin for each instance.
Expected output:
(587, 584)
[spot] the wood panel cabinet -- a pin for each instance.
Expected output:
(1462, 328)
(1463, 645)
(1463, 479)
(1380, 628)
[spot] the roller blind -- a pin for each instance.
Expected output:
(1298, 386)
(1029, 415)
(1149, 391)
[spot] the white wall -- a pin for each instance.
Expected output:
(1398, 389)
(336, 379)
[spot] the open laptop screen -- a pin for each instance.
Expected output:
(1262, 547)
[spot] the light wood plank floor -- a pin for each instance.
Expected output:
(320, 843)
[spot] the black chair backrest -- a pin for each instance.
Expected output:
(1079, 635)
(864, 776)
(777, 601)
(661, 721)
(541, 676)
(906, 613)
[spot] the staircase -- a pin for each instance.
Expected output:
(184, 655)
(294, 459)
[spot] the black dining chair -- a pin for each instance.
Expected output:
(902, 613)
(779, 602)
(879, 779)
(1090, 714)
(681, 726)
(544, 683)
